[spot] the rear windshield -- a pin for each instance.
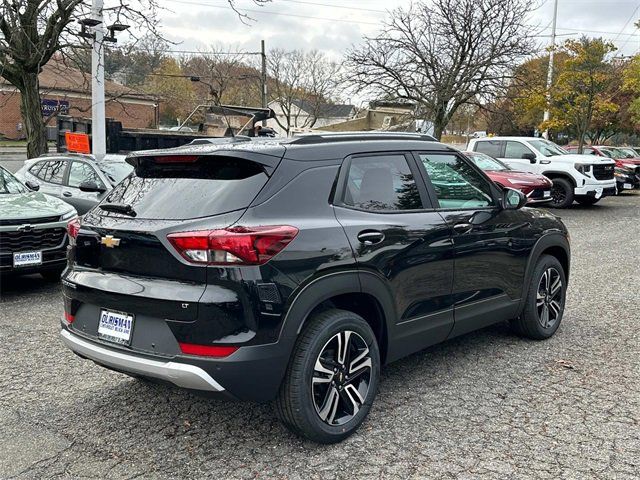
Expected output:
(210, 186)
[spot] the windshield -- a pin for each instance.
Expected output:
(485, 162)
(628, 152)
(547, 148)
(613, 153)
(115, 171)
(10, 184)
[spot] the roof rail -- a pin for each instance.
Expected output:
(359, 136)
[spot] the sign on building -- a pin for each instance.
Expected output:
(49, 107)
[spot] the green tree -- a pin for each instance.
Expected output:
(582, 90)
(175, 91)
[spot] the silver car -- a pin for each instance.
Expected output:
(79, 180)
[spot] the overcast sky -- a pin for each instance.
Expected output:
(334, 25)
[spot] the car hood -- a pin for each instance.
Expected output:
(574, 157)
(496, 175)
(30, 205)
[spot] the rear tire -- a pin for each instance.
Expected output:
(332, 377)
(561, 193)
(586, 201)
(545, 301)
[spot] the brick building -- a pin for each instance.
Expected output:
(68, 90)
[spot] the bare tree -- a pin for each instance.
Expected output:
(443, 54)
(32, 31)
(301, 84)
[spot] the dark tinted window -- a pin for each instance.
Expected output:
(490, 147)
(381, 182)
(210, 186)
(52, 171)
(515, 150)
(457, 185)
(81, 172)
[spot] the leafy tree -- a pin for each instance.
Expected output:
(580, 93)
(443, 54)
(175, 91)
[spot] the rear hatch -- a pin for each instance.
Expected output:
(122, 258)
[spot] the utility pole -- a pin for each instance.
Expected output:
(98, 127)
(547, 112)
(263, 78)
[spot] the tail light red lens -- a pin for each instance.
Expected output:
(73, 227)
(206, 350)
(233, 246)
(68, 317)
(176, 159)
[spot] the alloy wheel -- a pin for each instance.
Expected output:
(558, 194)
(341, 378)
(549, 298)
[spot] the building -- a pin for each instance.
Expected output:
(68, 90)
(306, 116)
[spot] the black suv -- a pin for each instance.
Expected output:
(292, 270)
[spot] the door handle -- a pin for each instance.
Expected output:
(66, 194)
(462, 228)
(370, 237)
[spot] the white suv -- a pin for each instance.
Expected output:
(583, 178)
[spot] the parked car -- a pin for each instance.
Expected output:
(292, 270)
(583, 178)
(627, 169)
(33, 236)
(537, 188)
(79, 180)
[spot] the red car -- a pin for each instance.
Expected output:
(627, 171)
(536, 187)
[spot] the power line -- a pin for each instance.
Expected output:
(627, 22)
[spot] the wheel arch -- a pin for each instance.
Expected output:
(551, 174)
(554, 244)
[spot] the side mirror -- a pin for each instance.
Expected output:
(513, 199)
(31, 185)
(91, 187)
(529, 156)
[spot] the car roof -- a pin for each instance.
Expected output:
(315, 146)
(484, 139)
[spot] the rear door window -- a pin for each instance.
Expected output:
(493, 148)
(209, 186)
(381, 183)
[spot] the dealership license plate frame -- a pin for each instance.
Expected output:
(22, 263)
(112, 335)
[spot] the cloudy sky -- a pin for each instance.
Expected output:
(334, 25)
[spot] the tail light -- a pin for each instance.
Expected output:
(73, 227)
(69, 318)
(206, 350)
(233, 246)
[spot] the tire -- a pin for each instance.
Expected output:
(586, 201)
(561, 193)
(320, 411)
(52, 275)
(532, 322)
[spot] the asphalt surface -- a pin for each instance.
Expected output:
(12, 161)
(486, 405)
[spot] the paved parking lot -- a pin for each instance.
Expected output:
(486, 405)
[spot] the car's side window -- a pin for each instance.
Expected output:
(82, 172)
(456, 183)
(52, 171)
(381, 183)
(515, 150)
(493, 148)
(35, 168)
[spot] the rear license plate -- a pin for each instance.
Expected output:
(628, 186)
(546, 194)
(115, 327)
(24, 259)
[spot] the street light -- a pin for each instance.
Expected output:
(116, 27)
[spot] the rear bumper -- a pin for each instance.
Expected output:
(180, 374)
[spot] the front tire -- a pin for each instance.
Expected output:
(544, 304)
(332, 377)
(587, 201)
(561, 193)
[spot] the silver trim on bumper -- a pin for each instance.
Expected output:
(180, 374)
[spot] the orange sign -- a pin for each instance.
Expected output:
(77, 142)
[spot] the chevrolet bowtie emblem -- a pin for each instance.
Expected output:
(110, 242)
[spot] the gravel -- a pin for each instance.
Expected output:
(486, 405)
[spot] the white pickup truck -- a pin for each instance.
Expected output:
(583, 178)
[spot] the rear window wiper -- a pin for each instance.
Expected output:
(119, 208)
